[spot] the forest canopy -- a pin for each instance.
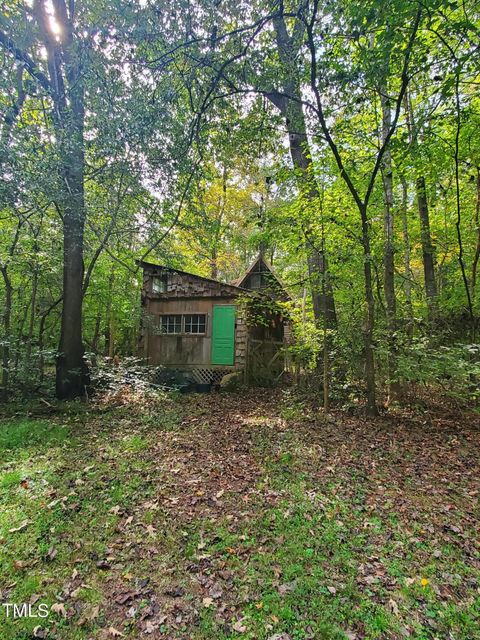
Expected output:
(339, 139)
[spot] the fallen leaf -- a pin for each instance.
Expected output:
(393, 606)
(90, 615)
(51, 553)
(59, 608)
(125, 597)
(215, 591)
(149, 627)
(115, 633)
(286, 588)
(207, 602)
(20, 527)
(239, 627)
(93, 613)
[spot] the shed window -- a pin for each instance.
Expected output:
(195, 323)
(159, 284)
(257, 281)
(171, 324)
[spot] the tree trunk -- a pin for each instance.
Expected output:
(321, 288)
(71, 368)
(370, 319)
(41, 332)
(213, 264)
(218, 226)
(112, 337)
(326, 373)
(428, 250)
(292, 110)
(407, 271)
(458, 223)
(72, 372)
(389, 252)
(64, 61)
(96, 332)
(109, 337)
(31, 324)
(20, 331)
(320, 285)
(477, 227)
(7, 317)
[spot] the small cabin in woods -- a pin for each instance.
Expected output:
(212, 328)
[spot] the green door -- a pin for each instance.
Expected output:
(223, 334)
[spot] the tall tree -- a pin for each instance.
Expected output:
(428, 248)
(64, 85)
(388, 232)
(361, 201)
(288, 99)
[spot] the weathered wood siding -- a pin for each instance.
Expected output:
(186, 294)
(180, 349)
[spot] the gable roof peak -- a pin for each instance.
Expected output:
(263, 262)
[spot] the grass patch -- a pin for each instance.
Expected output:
(27, 434)
(211, 521)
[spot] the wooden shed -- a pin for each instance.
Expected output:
(197, 324)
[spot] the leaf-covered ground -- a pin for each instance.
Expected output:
(239, 516)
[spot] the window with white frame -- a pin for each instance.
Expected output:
(171, 324)
(195, 323)
(191, 323)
